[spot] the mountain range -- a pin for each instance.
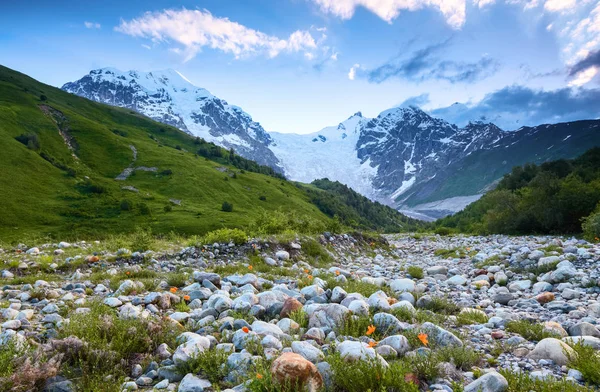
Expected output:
(404, 157)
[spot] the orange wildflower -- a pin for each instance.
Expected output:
(309, 276)
(306, 271)
(373, 344)
(370, 329)
(423, 338)
(127, 273)
(173, 290)
(259, 376)
(245, 329)
(337, 272)
(250, 267)
(186, 297)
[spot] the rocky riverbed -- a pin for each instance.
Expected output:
(336, 313)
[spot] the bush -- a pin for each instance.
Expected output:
(168, 208)
(226, 207)
(530, 331)
(224, 236)
(30, 140)
(442, 305)
(43, 98)
(443, 231)
(369, 375)
(586, 360)
(166, 172)
(125, 205)
(415, 272)
(591, 226)
(211, 364)
(262, 198)
(144, 209)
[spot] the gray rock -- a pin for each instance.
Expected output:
(584, 329)
(489, 382)
(191, 383)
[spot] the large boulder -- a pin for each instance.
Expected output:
(552, 349)
(489, 382)
(293, 369)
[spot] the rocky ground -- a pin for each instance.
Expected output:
(336, 313)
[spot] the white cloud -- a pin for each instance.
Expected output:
(146, 46)
(352, 73)
(559, 5)
(92, 25)
(334, 56)
(195, 29)
(388, 10)
(584, 77)
(483, 3)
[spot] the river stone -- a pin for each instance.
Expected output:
(552, 349)
(489, 382)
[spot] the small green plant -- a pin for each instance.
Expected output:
(316, 252)
(415, 272)
(227, 207)
(530, 331)
(586, 360)
(370, 375)
(471, 316)
(300, 317)
(211, 364)
(176, 279)
(254, 347)
(236, 236)
(463, 357)
(442, 305)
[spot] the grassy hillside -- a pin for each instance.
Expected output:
(353, 209)
(61, 155)
(45, 189)
(555, 197)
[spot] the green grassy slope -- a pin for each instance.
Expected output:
(47, 191)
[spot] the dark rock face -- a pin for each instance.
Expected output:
(166, 97)
(409, 146)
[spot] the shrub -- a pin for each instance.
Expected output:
(262, 198)
(469, 317)
(168, 208)
(30, 140)
(166, 172)
(586, 360)
(43, 98)
(212, 364)
(144, 209)
(142, 239)
(591, 226)
(530, 331)
(464, 357)
(176, 279)
(236, 236)
(125, 205)
(442, 305)
(316, 251)
(300, 317)
(369, 375)
(443, 231)
(226, 207)
(415, 272)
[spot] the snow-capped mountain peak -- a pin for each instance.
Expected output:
(169, 97)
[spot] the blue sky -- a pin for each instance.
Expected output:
(301, 65)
